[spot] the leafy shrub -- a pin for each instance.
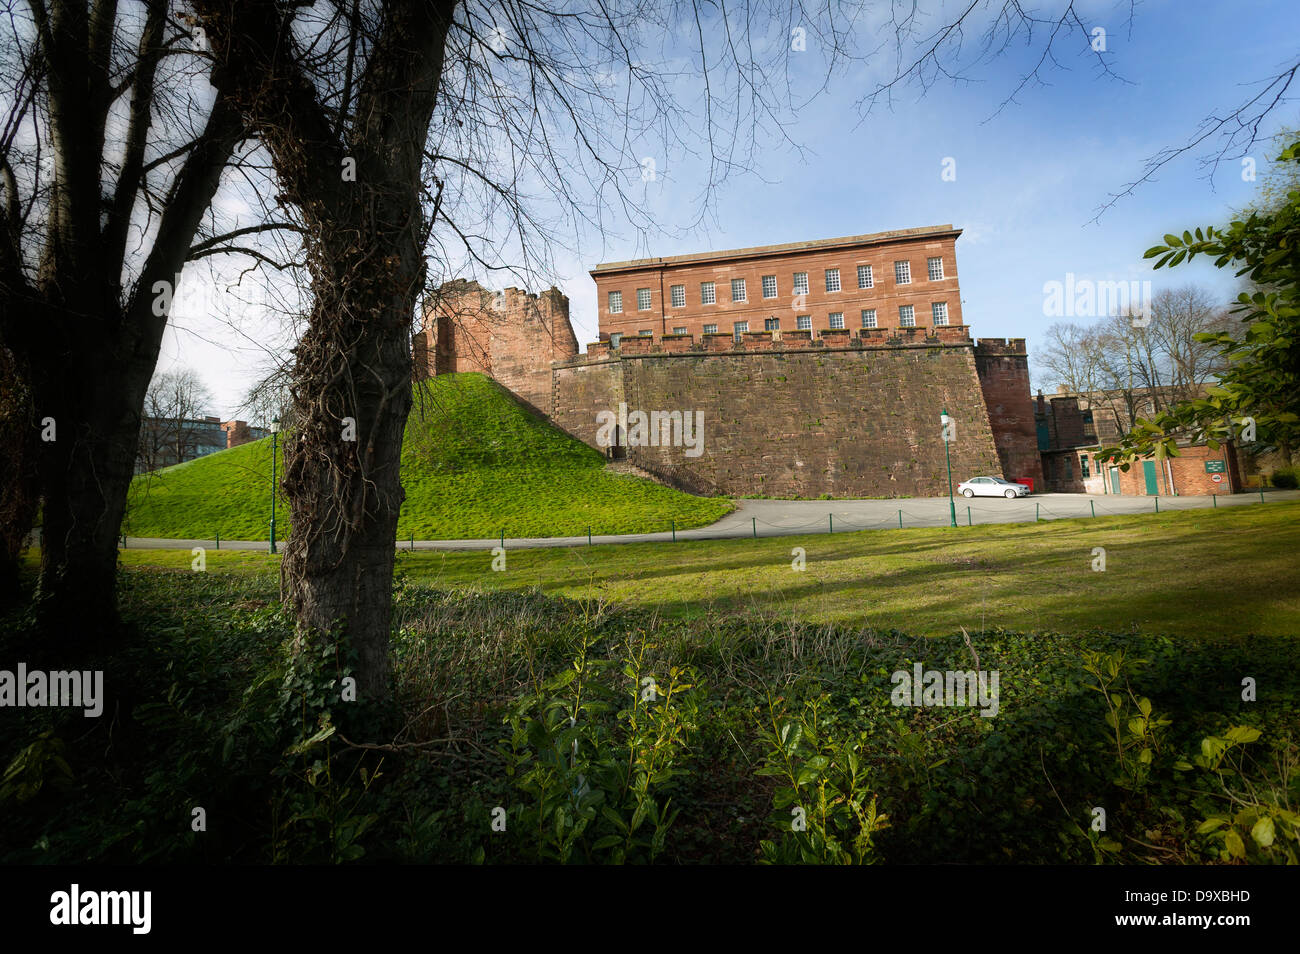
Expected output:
(591, 772)
(1285, 478)
(824, 807)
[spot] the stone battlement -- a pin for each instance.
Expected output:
(631, 346)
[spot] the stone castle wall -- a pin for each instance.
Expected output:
(795, 415)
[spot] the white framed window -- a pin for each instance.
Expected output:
(801, 283)
(615, 338)
(643, 299)
(739, 328)
(769, 286)
(708, 295)
(738, 289)
(935, 265)
(680, 331)
(771, 324)
(710, 329)
(679, 296)
(868, 317)
(803, 322)
(832, 279)
(615, 302)
(865, 278)
(906, 316)
(837, 319)
(902, 273)
(939, 312)
(646, 332)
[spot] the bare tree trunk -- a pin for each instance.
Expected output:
(352, 388)
(365, 237)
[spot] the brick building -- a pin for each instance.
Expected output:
(886, 280)
(239, 432)
(1071, 428)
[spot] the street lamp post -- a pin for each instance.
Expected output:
(945, 420)
(275, 433)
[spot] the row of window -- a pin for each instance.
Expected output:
(739, 292)
(906, 319)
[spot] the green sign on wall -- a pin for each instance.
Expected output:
(1216, 467)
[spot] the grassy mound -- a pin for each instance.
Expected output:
(475, 462)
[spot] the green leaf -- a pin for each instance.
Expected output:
(1242, 734)
(1236, 847)
(1262, 833)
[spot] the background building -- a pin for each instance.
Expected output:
(886, 280)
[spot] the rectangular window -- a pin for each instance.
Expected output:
(936, 268)
(803, 322)
(710, 329)
(771, 324)
(707, 295)
(739, 328)
(679, 331)
(615, 302)
(679, 296)
(868, 317)
(769, 286)
(902, 273)
(837, 319)
(939, 312)
(1083, 466)
(801, 283)
(832, 279)
(906, 316)
(643, 299)
(646, 332)
(737, 289)
(865, 278)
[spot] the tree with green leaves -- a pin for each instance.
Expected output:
(1256, 400)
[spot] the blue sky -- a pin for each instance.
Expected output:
(1029, 179)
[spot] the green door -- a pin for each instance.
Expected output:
(1114, 480)
(1149, 474)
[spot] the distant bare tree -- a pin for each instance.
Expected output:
(269, 399)
(1070, 357)
(174, 401)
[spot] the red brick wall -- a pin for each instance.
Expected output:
(512, 335)
(885, 295)
(1003, 368)
(1189, 476)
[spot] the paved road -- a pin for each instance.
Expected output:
(773, 518)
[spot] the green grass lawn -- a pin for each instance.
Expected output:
(475, 463)
(1187, 573)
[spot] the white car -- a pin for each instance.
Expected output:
(991, 487)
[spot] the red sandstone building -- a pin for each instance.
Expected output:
(885, 280)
